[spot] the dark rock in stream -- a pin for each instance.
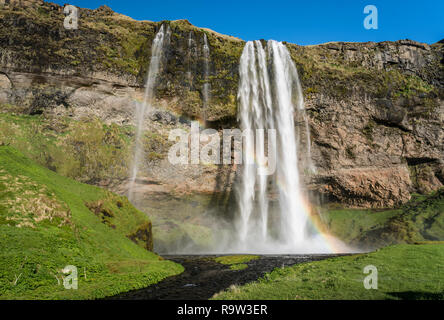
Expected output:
(203, 277)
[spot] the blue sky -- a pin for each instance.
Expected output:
(302, 22)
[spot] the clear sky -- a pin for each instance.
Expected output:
(302, 22)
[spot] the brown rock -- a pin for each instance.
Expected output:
(369, 187)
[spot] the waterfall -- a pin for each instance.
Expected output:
(157, 53)
(189, 57)
(206, 85)
(270, 97)
(190, 40)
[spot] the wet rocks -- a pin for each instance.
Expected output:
(203, 277)
(163, 117)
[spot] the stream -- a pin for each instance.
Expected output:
(203, 277)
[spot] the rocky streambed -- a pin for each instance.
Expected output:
(203, 276)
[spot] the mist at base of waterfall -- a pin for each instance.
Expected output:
(197, 224)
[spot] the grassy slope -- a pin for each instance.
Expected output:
(404, 272)
(107, 261)
(59, 144)
(421, 219)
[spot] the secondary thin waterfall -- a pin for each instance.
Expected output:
(270, 97)
(189, 57)
(157, 53)
(206, 85)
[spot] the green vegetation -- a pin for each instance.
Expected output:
(236, 262)
(87, 150)
(90, 151)
(240, 266)
(225, 52)
(421, 219)
(236, 259)
(330, 70)
(131, 38)
(125, 38)
(350, 224)
(48, 221)
(419, 176)
(156, 145)
(404, 272)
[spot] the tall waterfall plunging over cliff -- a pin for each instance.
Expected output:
(157, 52)
(270, 97)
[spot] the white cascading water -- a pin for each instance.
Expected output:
(270, 97)
(206, 85)
(189, 57)
(157, 52)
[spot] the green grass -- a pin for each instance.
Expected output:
(349, 224)
(235, 259)
(329, 73)
(240, 266)
(429, 242)
(236, 262)
(404, 272)
(86, 150)
(46, 225)
(421, 219)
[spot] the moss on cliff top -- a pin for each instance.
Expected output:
(330, 70)
(119, 47)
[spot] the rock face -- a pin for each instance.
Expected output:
(369, 160)
(376, 110)
(362, 187)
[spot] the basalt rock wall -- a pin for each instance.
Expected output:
(376, 110)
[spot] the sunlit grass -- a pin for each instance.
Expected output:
(404, 272)
(32, 256)
(235, 259)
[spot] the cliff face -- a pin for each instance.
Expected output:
(376, 114)
(375, 109)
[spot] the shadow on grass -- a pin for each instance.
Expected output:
(417, 295)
